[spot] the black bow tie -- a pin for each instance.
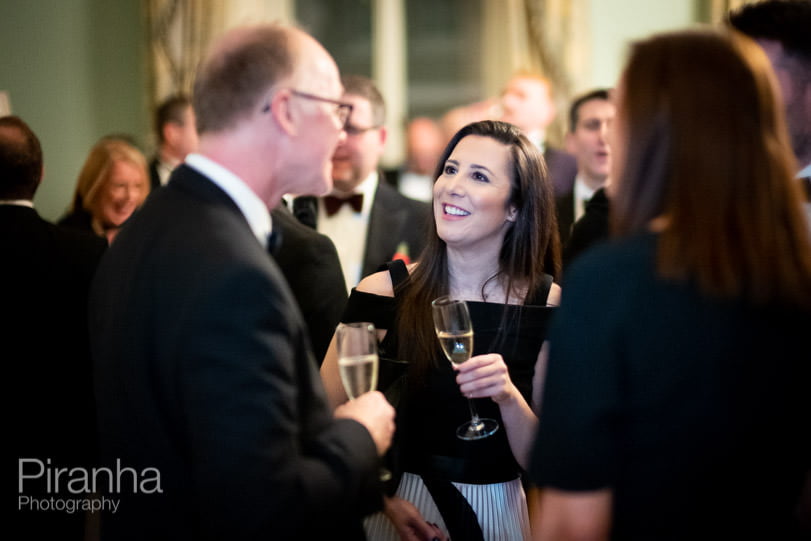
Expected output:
(333, 204)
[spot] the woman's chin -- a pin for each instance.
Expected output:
(118, 219)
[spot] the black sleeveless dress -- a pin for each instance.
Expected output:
(427, 416)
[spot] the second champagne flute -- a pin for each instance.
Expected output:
(455, 332)
(358, 362)
(357, 357)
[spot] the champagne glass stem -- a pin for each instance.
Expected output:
(474, 415)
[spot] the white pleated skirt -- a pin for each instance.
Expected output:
(501, 509)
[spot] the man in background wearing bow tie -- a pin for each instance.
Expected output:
(369, 221)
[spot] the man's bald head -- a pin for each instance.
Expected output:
(240, 68)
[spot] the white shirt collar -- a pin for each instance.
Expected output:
(582, 193)
(253, 208)
(368, 188)
(805, 172)
(581, 189)
(537, 138)
(18, 202)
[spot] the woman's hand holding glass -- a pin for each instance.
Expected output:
(485, 376)
(455, 333)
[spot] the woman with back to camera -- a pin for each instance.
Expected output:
(685, 414)
(112, 184)
(493, 244)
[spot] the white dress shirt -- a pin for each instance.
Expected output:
(416, 186)
(348, 230)
(165, 171)
(582, 193)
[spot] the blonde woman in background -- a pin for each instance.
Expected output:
(112, 183)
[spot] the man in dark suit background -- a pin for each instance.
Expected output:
(590, 116)
(45, 275)
(203, 372)
(527, 103)
(176, 135)
(311, 266)
(377, 223)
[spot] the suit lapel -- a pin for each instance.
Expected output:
(386, 222)
(188, 180)
(565, 210)
(305, 209)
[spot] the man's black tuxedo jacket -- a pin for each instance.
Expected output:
(311, 266)
(593, 227)
(564, 207)
(394, 219)
(45, 275)
(154, 175)
(203, 371)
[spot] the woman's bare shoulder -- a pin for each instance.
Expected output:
(554, 295)
(380, 283)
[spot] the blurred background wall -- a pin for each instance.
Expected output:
(73, 70)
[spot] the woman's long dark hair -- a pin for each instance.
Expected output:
(714, 159)
(531, 246)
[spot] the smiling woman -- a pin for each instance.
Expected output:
(493, 243)
(112, 184)
(472, 200)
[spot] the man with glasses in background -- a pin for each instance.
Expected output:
(203, 370)
(369, 221)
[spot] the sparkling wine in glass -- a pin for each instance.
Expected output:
(358, 362)
(455, 333)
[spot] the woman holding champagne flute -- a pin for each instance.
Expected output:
(493, 244)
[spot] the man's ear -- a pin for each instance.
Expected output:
(281, 112)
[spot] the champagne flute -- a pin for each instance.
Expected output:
(455, 333)
(357, 357)
(358, 362)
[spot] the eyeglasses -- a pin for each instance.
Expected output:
(342, 111)
(354, 130)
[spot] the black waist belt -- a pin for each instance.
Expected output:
(461, 470)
